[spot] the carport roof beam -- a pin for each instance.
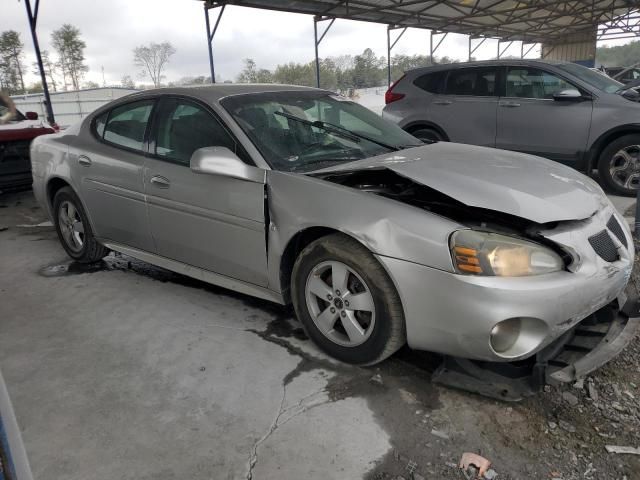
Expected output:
(540, 21)
(473, 49)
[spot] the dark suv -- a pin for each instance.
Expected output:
(562, 111)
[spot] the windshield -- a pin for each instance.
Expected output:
(304, 131)
(595, 79)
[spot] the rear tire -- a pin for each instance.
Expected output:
(346, 302)
(619, 165)
(74, 230)
(427, 135)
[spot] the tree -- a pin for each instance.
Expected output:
(153, 59)
(11, 67)
(127, 82)
(70, 47)
(91, 84)
(35, 88)
(620, 55)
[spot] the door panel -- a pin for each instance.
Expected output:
(212, 222)
(467, 109)
(110, 178)
(530, 121)
(209, 221)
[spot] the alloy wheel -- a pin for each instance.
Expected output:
(71, 225)
(624, 167)
(340, 303)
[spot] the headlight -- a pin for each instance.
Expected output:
(485, 253)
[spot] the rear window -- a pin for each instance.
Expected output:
(127, 124)
(478, 82)
(430, 82)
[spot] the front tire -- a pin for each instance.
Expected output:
(619, 165)
(346, 302)
(74, 230)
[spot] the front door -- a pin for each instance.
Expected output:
(531, 121)
(209, 221)
(108, 168)
(466, 110)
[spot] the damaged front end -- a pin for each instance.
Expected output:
(599, 324)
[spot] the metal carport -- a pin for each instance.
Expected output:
(567, 30)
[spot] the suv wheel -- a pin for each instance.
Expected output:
(619, 165)
(73, 228)
(346, 302)
(427, 135)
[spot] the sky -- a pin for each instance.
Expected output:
(111, 29)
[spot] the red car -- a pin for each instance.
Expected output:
(15, 137)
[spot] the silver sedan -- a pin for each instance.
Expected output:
(298, 195)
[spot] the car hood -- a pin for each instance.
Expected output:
(517, 184)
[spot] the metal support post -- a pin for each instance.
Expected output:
(318, 40)
(33, 20)
(390, 47)
(211, 34)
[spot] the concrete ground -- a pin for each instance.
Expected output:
(127, 371)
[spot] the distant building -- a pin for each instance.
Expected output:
(69, 107)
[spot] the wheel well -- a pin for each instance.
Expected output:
(298, 243)
(53, 186)
(601, 143)
(412, 127)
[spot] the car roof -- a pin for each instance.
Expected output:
(213, 93)
(485, 63)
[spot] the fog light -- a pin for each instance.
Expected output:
(505, 334)
(517, 337)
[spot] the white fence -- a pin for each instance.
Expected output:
(69, 107)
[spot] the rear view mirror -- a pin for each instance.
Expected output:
(567, 94)
(31, 115)
(222, 161)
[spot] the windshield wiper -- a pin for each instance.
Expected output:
(338, 130)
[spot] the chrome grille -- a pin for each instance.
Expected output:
(604, 246)
(616, 229)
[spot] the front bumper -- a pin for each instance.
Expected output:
(454, 314)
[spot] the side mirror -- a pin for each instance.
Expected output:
(567, 94)
(222, 161)
(31, 115)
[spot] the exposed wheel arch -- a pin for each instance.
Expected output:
(294, 247)
(420, 124)
(53, 186)
(605, 139)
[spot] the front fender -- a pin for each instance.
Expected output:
(386, 227)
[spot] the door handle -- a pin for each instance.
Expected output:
(160, 181)
(84, 161)
(442, 102)
(509, 104)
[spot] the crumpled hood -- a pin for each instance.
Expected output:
(529, 187)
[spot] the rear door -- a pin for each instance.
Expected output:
(108, 163)
(467, 108)
(531, 121)
(209, 221)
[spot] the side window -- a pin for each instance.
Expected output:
(430, 82)
(127, 124)
(478, 82)
(99, 124)
(184, 127)
(534, 83)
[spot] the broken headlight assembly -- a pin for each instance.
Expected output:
(493, 254)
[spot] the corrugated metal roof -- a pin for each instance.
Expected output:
(544, 21)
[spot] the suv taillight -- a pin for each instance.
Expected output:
(390, 96)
